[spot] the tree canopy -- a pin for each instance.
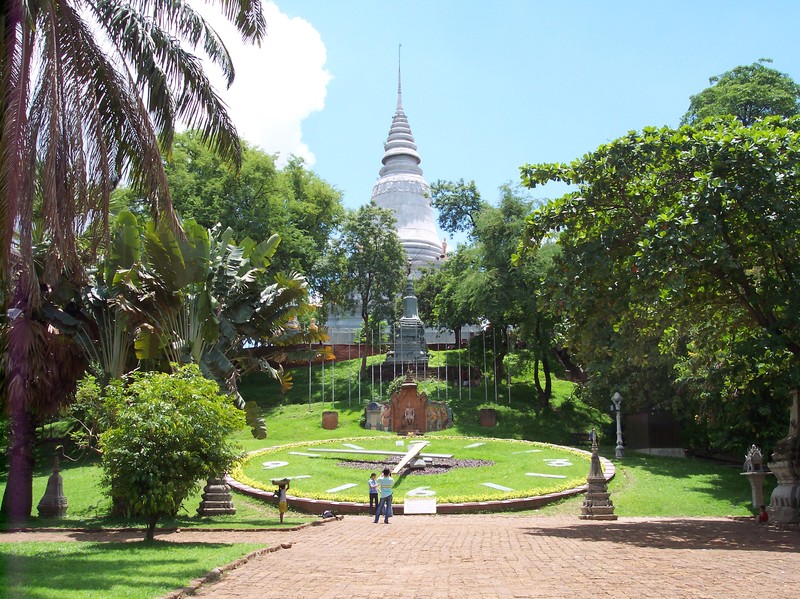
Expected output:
(690, 235)
(458, 204)
(365, 266)
(749, 93)
(256, 200)
(91, 93)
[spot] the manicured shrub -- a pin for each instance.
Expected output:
(167, 432)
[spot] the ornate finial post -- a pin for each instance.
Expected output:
(784, 505)
(755, 473)
(597, 504)
(217, 498)
(616, 400)
(53, 504)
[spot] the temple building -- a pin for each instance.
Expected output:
(402, 189)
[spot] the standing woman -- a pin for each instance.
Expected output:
(283, 503)
(373, 493)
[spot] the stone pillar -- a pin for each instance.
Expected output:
(756, 486)
(597, 504)
(53, 504)
(217, 499)
(784, 506)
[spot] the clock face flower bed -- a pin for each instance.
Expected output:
(479, 469)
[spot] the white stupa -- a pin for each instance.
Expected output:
(402, 189)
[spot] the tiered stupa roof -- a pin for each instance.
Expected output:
(402, 188)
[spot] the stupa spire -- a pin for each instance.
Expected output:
(402, 189)
(399, 83)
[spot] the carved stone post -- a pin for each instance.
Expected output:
(217, 498)
(53, 503)
(784, 506)
(597, 504)
(755, 473)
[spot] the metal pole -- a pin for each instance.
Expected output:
(494, 361)
(446, 380)
(485, 369)
(460, 380)
(508, 352)
(372, 365)
(350, 372)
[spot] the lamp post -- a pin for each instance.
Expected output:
(616, 402)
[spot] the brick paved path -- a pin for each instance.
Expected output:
(481, 556)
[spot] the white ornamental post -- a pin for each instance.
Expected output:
(617, 401)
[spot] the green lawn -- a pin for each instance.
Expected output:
(644, 485)
(133, 570)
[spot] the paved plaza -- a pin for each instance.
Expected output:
(483, 556)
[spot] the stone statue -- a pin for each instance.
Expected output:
(753, 459)
(386, 417)
(409, 416)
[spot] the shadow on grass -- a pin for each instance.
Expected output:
(744, 534)
(720, 482)
(103, 569)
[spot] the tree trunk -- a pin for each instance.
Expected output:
(537, 382)
(367, 346)
(499, 353)
(548, 380)
(18, 496)
(543, 394)
(151, 527)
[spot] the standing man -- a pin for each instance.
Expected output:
(385, 504)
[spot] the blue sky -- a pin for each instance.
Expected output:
(487, 86)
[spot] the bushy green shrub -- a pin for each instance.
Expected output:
(166, 433)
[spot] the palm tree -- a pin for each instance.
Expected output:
(90, 94)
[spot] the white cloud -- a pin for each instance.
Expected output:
(277, 85)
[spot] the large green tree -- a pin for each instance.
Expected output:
(457, 203)
(91, 92)
(697, 228)
(477, 283)
(445, 293)
(365, 266)
(749, 93)
(257, 200)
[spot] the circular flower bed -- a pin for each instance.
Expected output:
(457, 469)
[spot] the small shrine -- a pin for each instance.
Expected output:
(409, 412)
(597, 504)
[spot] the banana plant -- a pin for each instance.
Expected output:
(206, 299)
(103, 328)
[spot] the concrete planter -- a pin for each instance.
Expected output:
(330, 420)
(487, 417)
